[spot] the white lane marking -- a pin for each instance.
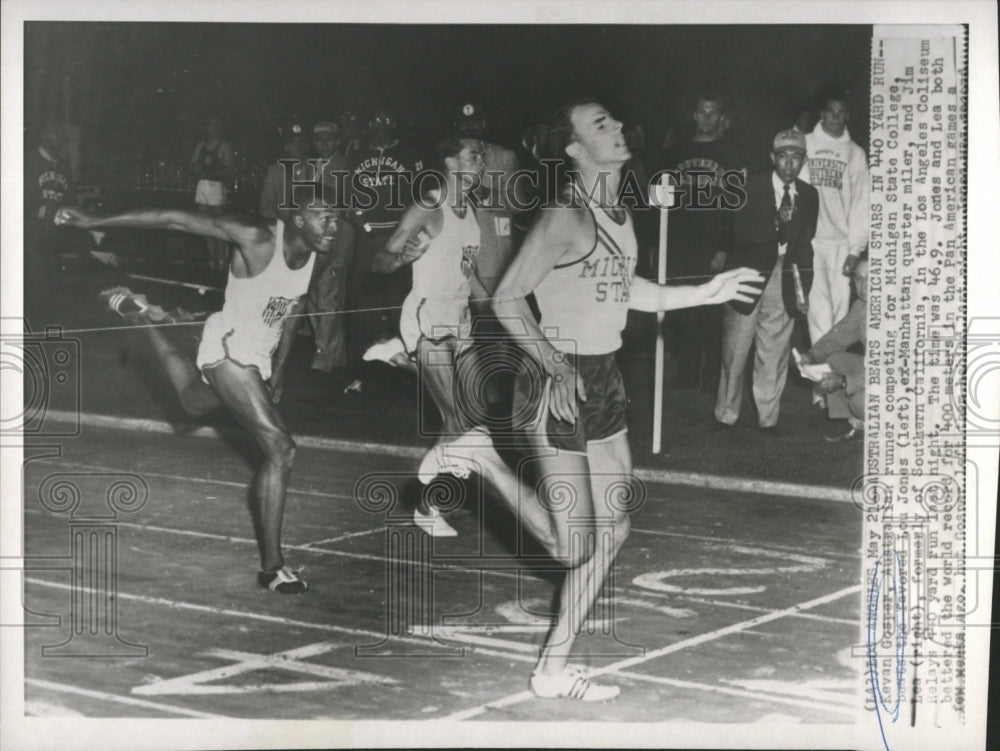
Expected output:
(289, 621)
(517, 575)
(340, 496)
(752, 608)
(462, 634)
(248, 662)
(654, 580)
(525, 574)
(180, 604)
(734, 541)
(65, 688)
(664, 609)
(748, 485)
(347, 536)
(676, 647)
(821, 691)
(747, 694)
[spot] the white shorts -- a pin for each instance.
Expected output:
(434, 319)
(210, 193)
(221, 341)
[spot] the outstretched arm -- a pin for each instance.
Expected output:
(741, 284)
(221, 227)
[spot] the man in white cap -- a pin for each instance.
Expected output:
(773, 233)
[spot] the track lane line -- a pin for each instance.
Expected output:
(719, 633)
(338, 496)
(742, 693)
(167, 708)
(518, 575)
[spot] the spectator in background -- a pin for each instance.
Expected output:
(277, 179)
(838, 168)
(326, 300)
(773, 230)
(700, 238)
(350, 134)
(212, 163)
(48, 184)
(805, 121)
(381, 181)
(844, 387)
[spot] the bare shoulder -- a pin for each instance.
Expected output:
(562, 232)
(248, 231)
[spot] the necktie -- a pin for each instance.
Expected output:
(784, 217)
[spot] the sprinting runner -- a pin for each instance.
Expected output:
(579, 261)
(440, 236)
(267, 276)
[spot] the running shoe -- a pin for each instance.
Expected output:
(455, 457)
(571, 683)
(433, 523)
(284, 581)
(128, 305)
(385, 351)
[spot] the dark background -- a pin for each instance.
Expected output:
(143, 90)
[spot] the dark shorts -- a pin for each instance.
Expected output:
(599, 418)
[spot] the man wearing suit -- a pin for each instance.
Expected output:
(773, 232)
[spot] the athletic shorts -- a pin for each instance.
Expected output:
(600, 418)
(435, 319)
(210, 193)
(221, 341)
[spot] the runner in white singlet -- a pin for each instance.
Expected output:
(440, 237)
(267, 275)
(578, 259)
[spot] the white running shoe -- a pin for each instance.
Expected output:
(455, 457)
(433, 523)
(385, 351)
(128, 305)
(571, 683)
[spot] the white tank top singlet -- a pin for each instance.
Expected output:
(255, 307)
(586, 300)
(444, 270)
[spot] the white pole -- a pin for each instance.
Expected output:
(664, 199)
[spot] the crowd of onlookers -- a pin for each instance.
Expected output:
(817, 249)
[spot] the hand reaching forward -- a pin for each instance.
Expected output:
(742, 284)
(73, 217)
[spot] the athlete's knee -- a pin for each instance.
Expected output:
(198, 399)
(577, 547)
(279, 447)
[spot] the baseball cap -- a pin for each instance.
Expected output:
(790, 140)
(326, 126)
(292, 128)
(468, 113)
